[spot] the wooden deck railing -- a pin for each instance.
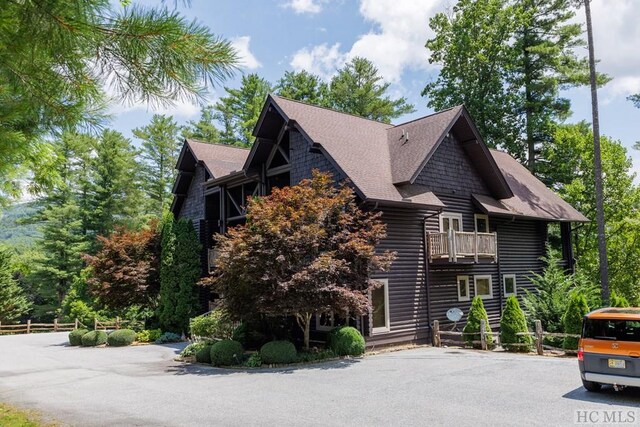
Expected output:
(453, 245)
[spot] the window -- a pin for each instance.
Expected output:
(482, 223)
(463, 288)
(483, 288)
(450, 221)
(380, 307)
(509, 284)
(328, 321)
(612, 329)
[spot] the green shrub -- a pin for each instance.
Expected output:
(512, 322)
(472, 328)
(214, 325)
(346, 341)
(226, 353)
(75, 337)
(254, 361)
(616, 300)
(121, 338)
(148, 335)
(203, 354)
(94, 338)
(168, 337)
(572, 320)
(278, 352)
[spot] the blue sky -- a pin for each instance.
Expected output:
(321, 35)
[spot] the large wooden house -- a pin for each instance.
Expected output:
(464, 220)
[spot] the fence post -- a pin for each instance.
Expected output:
(28, 326)
(117, 322)
(95, 323)
(436, 333)
(539, 334)
(76, 324)
(55, 325)
(483, 336)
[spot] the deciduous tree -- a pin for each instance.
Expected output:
(305, 250)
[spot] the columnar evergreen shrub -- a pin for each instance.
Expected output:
(513, 321)
(572, 320)
(75, 336)
(226, 353)
(179, 272)
(121, 338)
(278, 352)
(472, 328)
(346, 341)
(94, 338)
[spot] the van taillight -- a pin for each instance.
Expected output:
(580, 354)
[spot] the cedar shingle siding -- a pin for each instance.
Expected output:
(193, 207)
(303, 161)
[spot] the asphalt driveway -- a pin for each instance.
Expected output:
(143, 386)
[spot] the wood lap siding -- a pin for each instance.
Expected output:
(407, 291)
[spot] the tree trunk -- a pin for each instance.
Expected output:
(597, 162)
(304, 321)
(528, 106)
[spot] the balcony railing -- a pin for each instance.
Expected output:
(212, 255)
(459, 246)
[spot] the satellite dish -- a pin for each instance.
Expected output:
(454, 314)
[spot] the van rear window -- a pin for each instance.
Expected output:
(611, 329)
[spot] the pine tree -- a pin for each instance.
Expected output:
(635, 99)
(472, 328)
(303, 86)
(572, 320)
(204, 129)
(159, 152)
(513, 321)
(358, 89)
(13, 302)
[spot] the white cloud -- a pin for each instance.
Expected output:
(247, 59)
(401, 28)
(179, 110)
(322, 60)
(304, 6)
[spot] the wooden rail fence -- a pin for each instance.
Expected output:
(117, 323)
(538, 336)
(28, 327)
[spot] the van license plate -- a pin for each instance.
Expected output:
(616, 364)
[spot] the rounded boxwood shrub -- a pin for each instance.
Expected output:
(278, 352)
(75, 336)
(226, 353)
(346, 341)
(512, 322)
(121, 338)
(203, 354)
(94, 338)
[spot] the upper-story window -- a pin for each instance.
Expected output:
(482, 223)
(450, 221)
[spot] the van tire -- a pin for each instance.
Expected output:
(591, 386)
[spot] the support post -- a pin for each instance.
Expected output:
(475, 246)
(436, 333)
(95, 323)
(75, 326)
(55, 325)
(29, 326)
(539, 336)
(117, 322)
(483, 335)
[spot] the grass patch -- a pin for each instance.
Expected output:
(13, 417)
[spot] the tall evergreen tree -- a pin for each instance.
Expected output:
(13, 301)
(159, 152)
(359, 89)
(115, 194)
(303, 86)
(240, 109)
(204, 129)
(635, 99)
(525, 55)
(58, 56)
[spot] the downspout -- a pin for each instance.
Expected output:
(425, 253)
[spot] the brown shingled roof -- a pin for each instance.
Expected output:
(219, 159)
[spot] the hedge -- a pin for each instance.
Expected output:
(94, 338)
(75, 337)
(278, 352)
(226, 353)
(121, 338)
(346, 341)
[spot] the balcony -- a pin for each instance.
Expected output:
(461, 246)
